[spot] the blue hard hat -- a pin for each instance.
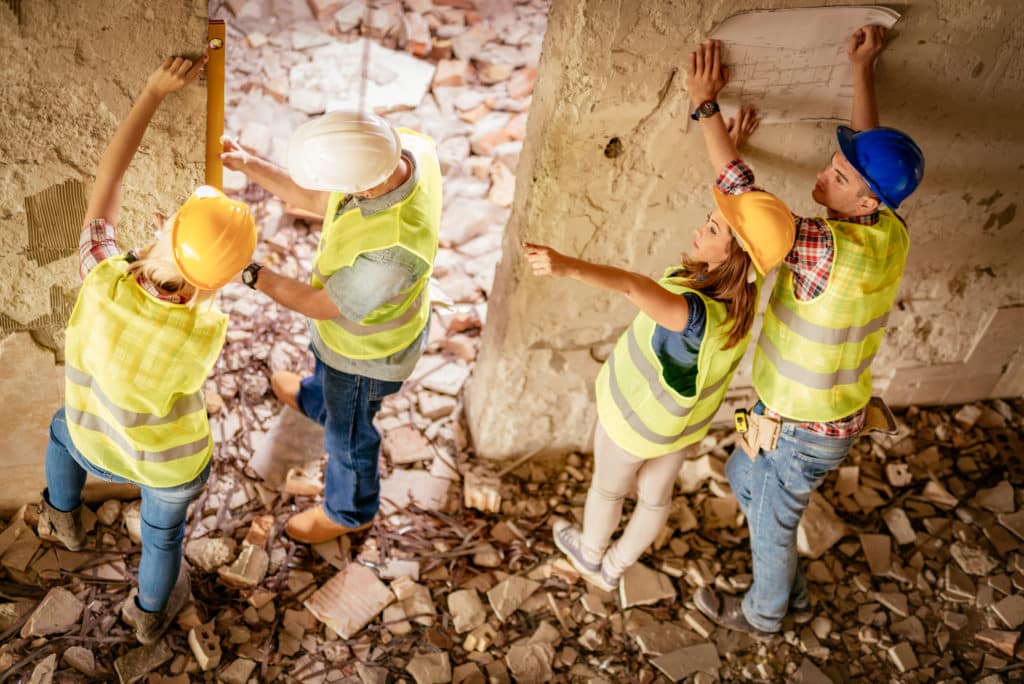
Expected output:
(888, 160)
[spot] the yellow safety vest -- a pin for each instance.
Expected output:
(813, 358)
(412, 224)
(640, 411)
(134, 373)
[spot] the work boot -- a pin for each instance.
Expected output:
(149, 627)
(727, 611)
(66, 525)
(568, 540)
(312, 526)
(286, 388)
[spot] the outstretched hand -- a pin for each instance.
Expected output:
(174, 74)
(233, 157)
(743, 125)
(546, 261)
(866, 44)
(706, 76)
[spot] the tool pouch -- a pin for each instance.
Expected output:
(762, 434)
(879, 418)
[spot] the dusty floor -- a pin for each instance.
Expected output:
(916, 552)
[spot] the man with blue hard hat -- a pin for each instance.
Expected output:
(823, 326)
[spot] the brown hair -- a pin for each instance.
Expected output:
(727, 284)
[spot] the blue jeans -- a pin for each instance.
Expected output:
(773, 492)
(345, 405)
(163, 511)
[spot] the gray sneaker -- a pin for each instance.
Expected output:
(149, 627)
(567, 539)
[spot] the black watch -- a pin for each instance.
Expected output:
(705, 110)
(250, 274)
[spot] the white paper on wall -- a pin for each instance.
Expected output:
(791, 64)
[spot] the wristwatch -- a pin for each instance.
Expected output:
(705, 110)
(250, 274)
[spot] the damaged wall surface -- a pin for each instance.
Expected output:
(952, 76)
(70, 71)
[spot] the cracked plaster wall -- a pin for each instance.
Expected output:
(953, 77)
(68, 72)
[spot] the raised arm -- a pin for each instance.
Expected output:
(273, 178)
(863, 49)
(668, 310)
(706, 79)
(105, 201)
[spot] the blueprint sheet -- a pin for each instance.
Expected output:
(791, 64)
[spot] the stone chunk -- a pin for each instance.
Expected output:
(259, 531)
(205, 646)
(349, 600)
(642, 586)
(415, 599)
(894, 601)
(248, 569)
(1003, 641)
(531, 662)
(58, 612)
(972, 559)
(430, 668)
(482, 492)
(405, 486)
(877, 551)
(43, 672)
(939, 495)
(903, 656)
(998, 499)
(238, 672)
(406, 444)
(1013, 522)
(1010, 610)
(898, 474)
(809, 673)
(108, 513)
(688, 660)
(209, 553)
(81, 659)
(509, 594)
(899, 525)
(467, 610)
(141, 661)
(819, 529)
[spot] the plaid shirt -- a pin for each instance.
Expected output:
(98, 242)
(810, 260)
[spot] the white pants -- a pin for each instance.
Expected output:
(615, 471)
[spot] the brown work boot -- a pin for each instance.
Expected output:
(149, 627)
(286, 388)
(312, 526)
(66, 525)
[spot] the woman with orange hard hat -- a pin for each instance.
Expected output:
(140, 343)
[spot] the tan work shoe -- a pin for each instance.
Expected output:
(286, 387)
(149, 627)
(312, 526)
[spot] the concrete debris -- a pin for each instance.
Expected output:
(642, 586)
(80, 658)
(531, 662)
(209, 553)
(903, 656)
(57, 613)
(238, 672)
(509, 594)
(248, 569)
(432, 668)
(205, 646)
(819, 529)
(141, 661)
(688, 660)
(350, 600)
(466, 609)
(481, 491)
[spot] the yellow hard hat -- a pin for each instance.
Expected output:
(212, 237)
(763, 223)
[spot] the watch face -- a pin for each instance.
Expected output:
(248, 277)
(708, 108)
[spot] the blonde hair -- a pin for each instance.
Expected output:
(156, 264)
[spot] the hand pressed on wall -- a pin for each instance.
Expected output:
(706, 76)
(546, 261)
(174, 74)
(743, 125)
(865, 45)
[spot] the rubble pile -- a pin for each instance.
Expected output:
(913, 548)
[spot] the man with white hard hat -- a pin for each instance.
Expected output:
(368, 303)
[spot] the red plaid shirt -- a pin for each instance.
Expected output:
(810, 260)
(98, 242)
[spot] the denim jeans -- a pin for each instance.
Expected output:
(163, 511)
(773, 492)
(345, 405)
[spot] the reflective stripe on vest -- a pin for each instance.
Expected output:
(134, 372)
(813, 358)
(412, 224)
(638, 410)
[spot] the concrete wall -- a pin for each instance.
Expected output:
(69, 71)
(953, 77)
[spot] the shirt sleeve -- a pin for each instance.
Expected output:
(96, 243)
(810, 260)
(373, 279)
(698, 316)
(736, 178)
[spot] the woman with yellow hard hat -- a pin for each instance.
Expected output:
(140, 343)
(666, 377)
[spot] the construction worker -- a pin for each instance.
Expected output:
(368, 303)
(823, 326)
(140, 343)
(663, 383)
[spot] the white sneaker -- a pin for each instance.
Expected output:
(567, 539)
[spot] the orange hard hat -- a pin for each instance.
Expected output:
(212, 237)
(763, 223)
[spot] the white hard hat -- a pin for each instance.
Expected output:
(343, 151)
